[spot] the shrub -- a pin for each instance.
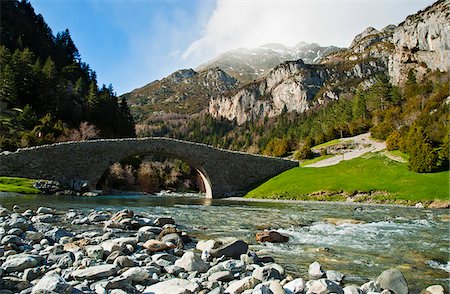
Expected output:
(393, 140)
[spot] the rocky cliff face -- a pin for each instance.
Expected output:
(248, 65)
(422, 42)
(185, 91)
(293, 86)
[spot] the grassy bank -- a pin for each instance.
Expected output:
(371, 178)
(18, 185)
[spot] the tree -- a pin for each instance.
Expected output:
(423, 158)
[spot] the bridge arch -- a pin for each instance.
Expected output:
(226, 173)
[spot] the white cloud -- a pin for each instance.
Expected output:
(251, 23)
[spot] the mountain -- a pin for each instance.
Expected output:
(421, 43)
(247, 65)
(184, 92)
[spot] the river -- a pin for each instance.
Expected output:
(358, 240)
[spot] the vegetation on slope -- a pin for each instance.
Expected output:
(18, 185)
(46, 91)
(372, 178)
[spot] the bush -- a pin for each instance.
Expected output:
(276, 147)
(393, 140)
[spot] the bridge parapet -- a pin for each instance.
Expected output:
(225, 173)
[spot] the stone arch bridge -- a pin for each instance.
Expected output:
(225, 173)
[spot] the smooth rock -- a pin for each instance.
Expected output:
(370, 287)
(207, 245)
(323, 286)
(335, 276)
(94, 251)
(173, 286)
(266, 273)
(262, 289)
(271, 237)
(240, 286)
(233, 249)
(95, 272)
(155, 246)
(123, 261)
(295, 286)
(161, 221)
(393, 280)
(45, 210)
(19, 263)
(222, 276)
(276, 287)
(110, 246)
(435, 289)
(113, 256)
(33, 236)
(57, 233)
(174, 239)
(352, 289)
(192, 263)
(51, 283)
(137, 274)
(11, 239)
(315, 270)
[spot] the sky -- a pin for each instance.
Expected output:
(130, 43)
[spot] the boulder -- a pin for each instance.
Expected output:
(295, 286)
(261, 289)
(155, 246)
(335, 276)
(136, 274)
(240, 286)
(173, 286)
(435, 289)
(95, 272)
(162, 221)
(222, 276)
(57, 233)
(394, 281)
(174, 239)
(51, 283)
(315, 270)
(192, 263)
(20, 262)
(44, 210)
(271, 237)
(94, 251)
(123, 261)
(323, 286)
(266, 273)
(232, 250)
(207, 245)
(352, 289)
(276, 287)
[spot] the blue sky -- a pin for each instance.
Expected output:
(130, 43)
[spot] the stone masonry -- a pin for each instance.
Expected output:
(225, 173)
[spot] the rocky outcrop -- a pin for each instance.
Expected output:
(293, 86)
(422, 43)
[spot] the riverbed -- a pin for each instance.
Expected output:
(358, 240)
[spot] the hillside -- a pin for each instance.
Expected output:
(247, 65)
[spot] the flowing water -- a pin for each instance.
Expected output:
(358, 240)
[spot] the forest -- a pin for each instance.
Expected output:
(412, 118)
(47, 94)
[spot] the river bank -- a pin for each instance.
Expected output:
(104, 251)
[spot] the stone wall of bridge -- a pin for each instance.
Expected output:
(225, 173)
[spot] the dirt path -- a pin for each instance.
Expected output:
(365, 145)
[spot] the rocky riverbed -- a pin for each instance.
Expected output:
(53, 251)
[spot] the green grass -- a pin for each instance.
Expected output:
(316, 159)
(400, 154)
(18, 185)
(374, 172)
(326, 144)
